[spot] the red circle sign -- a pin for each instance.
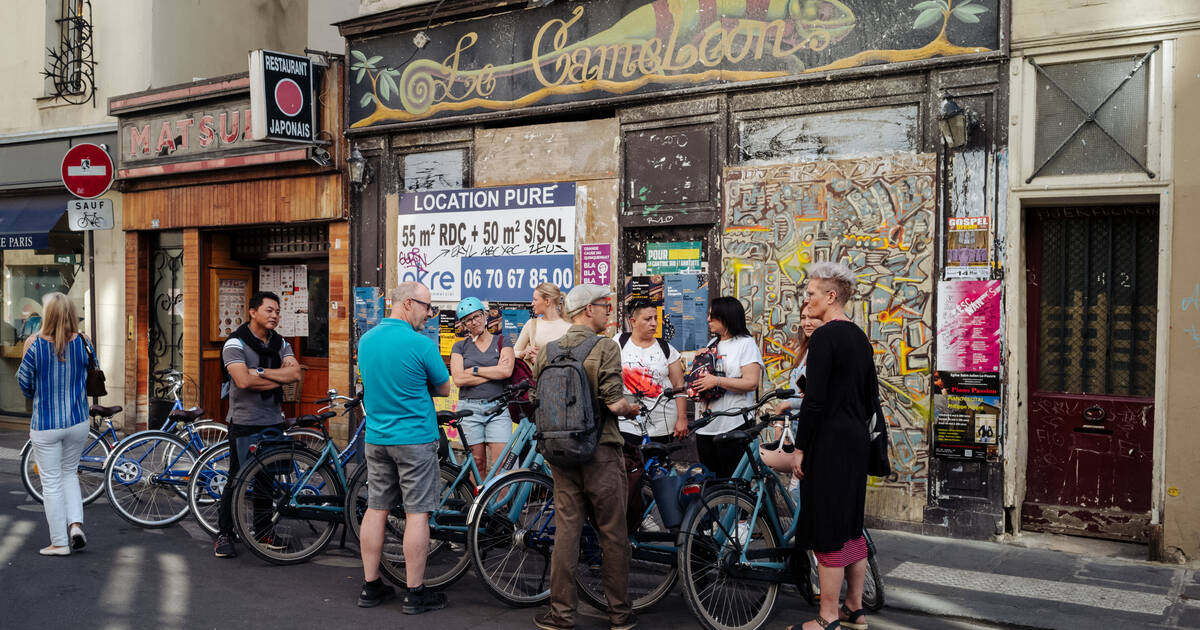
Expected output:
(288, 97)
(87, 171)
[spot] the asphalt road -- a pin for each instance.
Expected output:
(130, 578)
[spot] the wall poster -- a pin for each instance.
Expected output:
(968, 334)
(968, 249)
(368, 308)
(490, 243)
(966, 408)
(290, 283)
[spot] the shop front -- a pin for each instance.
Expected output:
(717, 149)
(212, 216)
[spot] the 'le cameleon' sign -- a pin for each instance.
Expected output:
(585, 51)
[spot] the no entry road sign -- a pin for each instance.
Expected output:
(87, 171)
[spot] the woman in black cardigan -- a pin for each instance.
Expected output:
(840, 398)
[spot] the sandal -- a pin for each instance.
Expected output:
(852, 618)
(828, 625)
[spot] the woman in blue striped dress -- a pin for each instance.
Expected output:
(53, 374)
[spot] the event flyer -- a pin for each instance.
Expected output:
(595, 264)
(368, 308)
(968, 251)
(687, 304)
(968, 334)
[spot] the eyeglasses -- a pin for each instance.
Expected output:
(471, 319)
(607, 305)
(433, 310)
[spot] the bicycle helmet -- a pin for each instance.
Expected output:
(468, 306)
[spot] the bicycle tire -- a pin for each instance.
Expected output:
(311, 439)
(649, 580)
(207, 481)
(145, 479)
(705, 540)
(356, 497)
(873, 595)
(518, 505)
(91, 469)
(211, 433)
(289, 539)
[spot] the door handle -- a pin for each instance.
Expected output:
(1094, 415)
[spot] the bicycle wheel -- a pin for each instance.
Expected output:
(873, 584)
(146, 478)
(711, 542)
(262, 491)
(652, 572)
(206, 483)
(210, 433)
(308, 438)
(91, 469)
(511, 535)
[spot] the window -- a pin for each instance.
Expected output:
(1093, 117)
(69, 65)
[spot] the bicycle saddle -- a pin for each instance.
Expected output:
(318, 420)
(654, 449)
(186, 415)
(107, 412)
(733, 437)
(446, 416)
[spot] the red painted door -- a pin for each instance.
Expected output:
(1092, 291)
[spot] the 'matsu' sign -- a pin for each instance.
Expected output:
(212, 128)
(281, 96)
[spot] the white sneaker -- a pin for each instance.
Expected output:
(78, 540)
(55, 551)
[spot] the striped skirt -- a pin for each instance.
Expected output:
(851, 552)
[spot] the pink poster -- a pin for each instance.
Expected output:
(595, 263)
(968, 326)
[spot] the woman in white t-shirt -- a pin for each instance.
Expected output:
(741, 364)
(649, 363)
(547, 304)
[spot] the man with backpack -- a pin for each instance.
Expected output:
(579, 397)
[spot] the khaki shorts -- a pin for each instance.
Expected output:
(407, 472)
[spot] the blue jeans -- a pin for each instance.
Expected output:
(57, 452)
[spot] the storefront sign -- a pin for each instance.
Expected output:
(968, 249)
(968, 328)
(490, 243)
(90, 214)
(87, 171)
(577, 51)
(595, 264)
(673, 257)
(281, 89)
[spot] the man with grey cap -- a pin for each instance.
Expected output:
(600, 482)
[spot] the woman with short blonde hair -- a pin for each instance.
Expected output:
(53, 374)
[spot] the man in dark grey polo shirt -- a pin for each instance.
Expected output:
(257, 362)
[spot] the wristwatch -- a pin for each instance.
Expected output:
(475, 370)
(260, 371)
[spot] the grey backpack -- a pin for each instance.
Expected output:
(566, 415)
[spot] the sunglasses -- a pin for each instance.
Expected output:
(433, 310)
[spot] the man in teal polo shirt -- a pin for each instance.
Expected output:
(401, 371)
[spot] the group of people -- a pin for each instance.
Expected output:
(402, 371)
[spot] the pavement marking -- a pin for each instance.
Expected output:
(14, 538)
(174, 601)
(10, 453)
(1033, 588)
(122, 583)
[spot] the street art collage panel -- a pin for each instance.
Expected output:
(877, 215)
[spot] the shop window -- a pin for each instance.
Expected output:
(316, 344)
(434, 170)
(829, 135)
(1093, 116)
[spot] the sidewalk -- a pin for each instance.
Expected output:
(1014, 585)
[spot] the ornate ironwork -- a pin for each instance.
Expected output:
(166, 316)
(70, 67)
(1089, 114)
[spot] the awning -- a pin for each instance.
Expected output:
(25, 222)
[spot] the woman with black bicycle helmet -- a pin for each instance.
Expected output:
(480, 365)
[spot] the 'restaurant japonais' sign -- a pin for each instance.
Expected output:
(587, 51)
(281, 89)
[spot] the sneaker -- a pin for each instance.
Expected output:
(223, 547)
(78, 540)
(375, 593)
(546, 621)
(55, 551)
(628, 624)
(425, 600)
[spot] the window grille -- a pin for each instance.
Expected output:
(70, 67)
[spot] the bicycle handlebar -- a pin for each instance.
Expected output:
(512, 390)
(708, 416)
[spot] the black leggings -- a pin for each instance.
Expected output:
(225, 513)
(723, 459)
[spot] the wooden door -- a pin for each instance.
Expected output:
(1092, 294)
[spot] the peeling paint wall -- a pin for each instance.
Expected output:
(877, 215)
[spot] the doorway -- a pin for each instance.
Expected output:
(1092, 283)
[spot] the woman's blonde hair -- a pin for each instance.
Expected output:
(550, 291)
(60, 321)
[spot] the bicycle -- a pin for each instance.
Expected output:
(734, 546)
(209, 476)
(448, 557)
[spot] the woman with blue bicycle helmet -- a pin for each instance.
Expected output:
(481, 365)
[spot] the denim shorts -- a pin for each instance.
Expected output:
(478, 429)
(403, 472)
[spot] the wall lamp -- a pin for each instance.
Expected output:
(359, 169)
(954, 122)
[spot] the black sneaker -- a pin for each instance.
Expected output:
(224, 548)
(629, 623)
(375, 593)
(546, 621)
(424, 600)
